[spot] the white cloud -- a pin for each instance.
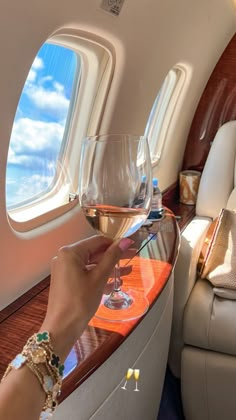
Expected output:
(35, 143)
(44, 79)
(53, 102)
(32, 138)
(33, 185)
(58, 87)
(25, 188)
(11, 181)
(38, 63)
(31, 76)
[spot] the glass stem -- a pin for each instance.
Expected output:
(117, 278)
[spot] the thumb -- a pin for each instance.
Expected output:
(110, 257)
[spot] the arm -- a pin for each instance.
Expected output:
(21, 396)
(75, 293)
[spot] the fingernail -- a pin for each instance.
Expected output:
(125, 243)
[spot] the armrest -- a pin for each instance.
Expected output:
(192, 239)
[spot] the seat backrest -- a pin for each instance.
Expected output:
(216, 190)
(218, 180)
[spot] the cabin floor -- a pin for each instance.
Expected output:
(171, 405)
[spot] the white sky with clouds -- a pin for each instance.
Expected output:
(37, 133)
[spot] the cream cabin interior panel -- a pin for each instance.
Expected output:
(146, 349)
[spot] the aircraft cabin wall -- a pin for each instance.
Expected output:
(144, 42)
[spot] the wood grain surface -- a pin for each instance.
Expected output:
(217, 106)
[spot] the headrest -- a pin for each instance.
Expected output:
(218, 177)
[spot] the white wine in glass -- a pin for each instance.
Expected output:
(114, 222)
(115, 190)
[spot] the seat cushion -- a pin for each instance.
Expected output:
(210, 320)
(208, 385)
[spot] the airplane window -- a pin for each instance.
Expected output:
(40, 126)
(61, 102)
(162, 110)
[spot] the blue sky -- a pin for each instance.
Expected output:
(39, 123)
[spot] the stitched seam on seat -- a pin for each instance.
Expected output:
(209, 325)
(205, 361)
(206, 387)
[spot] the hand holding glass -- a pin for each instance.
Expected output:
(115, 194)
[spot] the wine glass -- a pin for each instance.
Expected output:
(128, 376)
(136, 377)
(115, 190)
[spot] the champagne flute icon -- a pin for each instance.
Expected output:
(136, 377)
(129, 374)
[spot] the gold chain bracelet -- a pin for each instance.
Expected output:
(39, 357)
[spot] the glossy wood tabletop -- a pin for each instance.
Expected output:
(151, 269)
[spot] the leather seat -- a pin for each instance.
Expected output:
(208, 322)
(208, 365)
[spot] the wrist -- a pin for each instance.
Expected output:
(63, 338)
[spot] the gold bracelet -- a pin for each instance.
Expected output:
(39, 357)
(39, 342)
(35, 371)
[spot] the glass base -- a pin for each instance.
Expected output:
(113, 310)
(118, 300)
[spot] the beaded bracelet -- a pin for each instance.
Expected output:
(39, 357)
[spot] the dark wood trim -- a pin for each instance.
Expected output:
(22, 300)
(217, 106)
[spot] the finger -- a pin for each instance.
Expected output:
(110, 258)
(88, 248)
(90, 267)
(53, 265)
(130, 253)
(97, 256)
(124, 271)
